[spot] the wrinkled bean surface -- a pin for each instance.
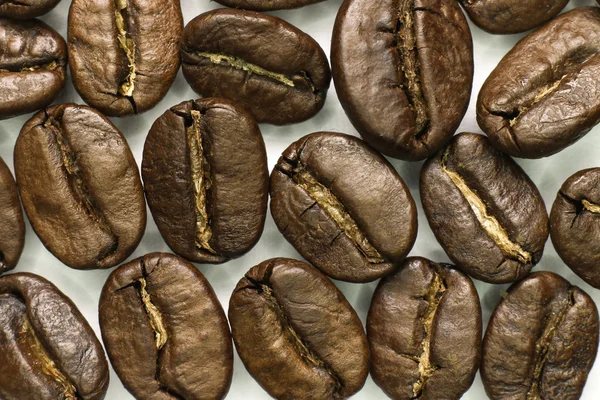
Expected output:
(12, 226)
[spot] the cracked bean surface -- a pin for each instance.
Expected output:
(575, 224)
(484, 210)
(403, 89)
(264, 64)
(541, 341)
(124, 54)
(33, 62)
(206, 179)
(296, 333)
(26, 9)
(544, 95)
(12, 226)
(80, 186)
(48, 350)
(343, 206)
(424, 330)
(165, 331)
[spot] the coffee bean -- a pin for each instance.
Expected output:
(165, 331)
(124, 54)
(48, 350)
(270, 5)
(511, 16)
(404, 90)
(424, 329)
(26, 9)
(484, 210)
(33, 60)
(12, 226)
(80, 186)
(542, 96)
(271, 68)
(206, 179)
(541, 341)
(343, 206)
(575, 224)
(296, 333)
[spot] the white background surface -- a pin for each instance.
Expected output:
(84, 287)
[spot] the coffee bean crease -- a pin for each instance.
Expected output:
(156, 320)
(488, 222)
(50, 66)
(128, 47)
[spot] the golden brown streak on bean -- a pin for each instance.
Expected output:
(336, 210)
(544, 92)
(488, 222)
(128, 47)
(201, 182)
(591, 207)
(154, 315)
(40, 358)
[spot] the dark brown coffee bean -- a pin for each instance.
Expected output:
(206, 179)
(48, 350)
(26, 9)
(484, 210)
(404, 90)
(269, 5)
(511, 16)
(297, 334)
(575, 224)
(271, 68)
(80, 186)
(343, 206)
(424, 329)
(33, 66)
(12, 226)
(542, 96)
(165, 331)
(541, 341)
(124, 54)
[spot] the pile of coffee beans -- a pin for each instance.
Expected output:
(299, 178)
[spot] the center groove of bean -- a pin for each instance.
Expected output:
(128, 47)
(154, 315)
(591, 207)
(40, 357)
(201, 181)
(488, 222)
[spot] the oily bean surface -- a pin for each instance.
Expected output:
(206, 179)
(165, 331)
(48, 350)
(12, 226)
(26, 9)
(264, 64)
(296, 333)
(266, 5)
(575, 224)
(424, 330)
(404, 90)
(541, 341)
(544, 95)
(511, 16)
(80, 186)
(33, 62)
(484, 210)
(124, 54)
(343, 206)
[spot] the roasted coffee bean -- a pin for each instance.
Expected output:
(404, 89)
(424, 329)
(543, 95)
(206, 179)
(343, 206)
(48, 350)
(33, 66)
(575, 224)
(80, 186)
(26, 9)
(12, 226)
(511, 16)
(262, 5)
(165, 331)
(271, 68)
(297, 334)
(541, 341)
(484, 210)
(124, 54)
